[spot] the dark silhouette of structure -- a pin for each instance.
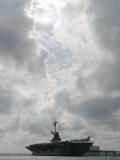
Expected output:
(57, 147)
(56, 137)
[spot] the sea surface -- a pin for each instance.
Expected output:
(26, 157)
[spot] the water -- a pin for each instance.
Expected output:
(21, 157)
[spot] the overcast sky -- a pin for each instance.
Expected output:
(59, 59)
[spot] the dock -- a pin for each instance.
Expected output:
(102, 153)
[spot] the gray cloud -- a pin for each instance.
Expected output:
(106, 25)
(6, 101)
(99, 108)
(38, 127)
(14, 29)
(107, 76)
(97, 111)
(106, 22)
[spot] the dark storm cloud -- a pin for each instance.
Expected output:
(14, 28)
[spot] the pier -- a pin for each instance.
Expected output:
(102, 153)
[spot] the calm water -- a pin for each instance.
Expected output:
(6, 157)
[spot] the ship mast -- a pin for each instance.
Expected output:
(56, 137)
(55, 125)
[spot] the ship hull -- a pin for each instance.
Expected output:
(59, 149)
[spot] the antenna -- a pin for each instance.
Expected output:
(55, 124)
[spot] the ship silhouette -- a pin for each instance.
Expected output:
(57, 147)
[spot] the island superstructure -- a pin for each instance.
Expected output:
(57, 147)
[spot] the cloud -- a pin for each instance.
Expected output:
(106, 21)
(6, 102)
(14, 29)
(99, 109)
(104, 18)
(38, 64)
(58, 60)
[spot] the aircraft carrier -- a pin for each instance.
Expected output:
(57, 147)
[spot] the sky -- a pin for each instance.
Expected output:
(59, 59)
